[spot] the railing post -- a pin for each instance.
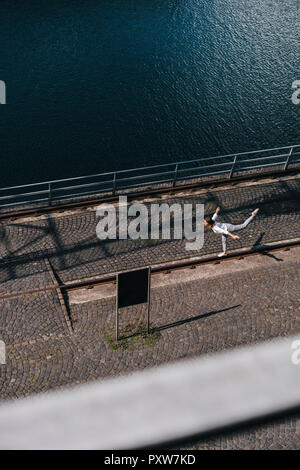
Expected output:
(175, 176)
(49, 194)
(288, 159)
(114, 184)
(232, 168)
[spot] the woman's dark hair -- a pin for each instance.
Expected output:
(209, 220)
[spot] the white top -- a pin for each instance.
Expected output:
(218, 227)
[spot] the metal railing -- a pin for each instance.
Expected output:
(172, 173)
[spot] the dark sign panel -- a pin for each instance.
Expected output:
(133, 287)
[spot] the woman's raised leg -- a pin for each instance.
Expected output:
(235, 228)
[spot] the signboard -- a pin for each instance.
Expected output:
(133, 287)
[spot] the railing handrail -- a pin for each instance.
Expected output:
(111, 173)
(138, 174)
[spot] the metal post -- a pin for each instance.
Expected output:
(49, 194)
(232, 168)
(149, 300)
(114, 183)
(117, 301)
(288, 159)
(175, 176)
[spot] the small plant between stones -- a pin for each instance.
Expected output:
(131, 337)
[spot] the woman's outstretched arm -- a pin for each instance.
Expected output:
(215, 216)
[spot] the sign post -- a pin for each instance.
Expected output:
(117, 310)
(149, 300)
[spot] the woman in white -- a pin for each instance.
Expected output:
(226, 229)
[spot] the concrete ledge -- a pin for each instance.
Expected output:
(191, 273)
(210, 258)
(161, 267)
(159, 405)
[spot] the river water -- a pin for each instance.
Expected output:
(103, 85)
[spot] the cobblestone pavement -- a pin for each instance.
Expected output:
(75, 252)
(279, 434)
(192, 318)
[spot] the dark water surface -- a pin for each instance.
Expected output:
(110, 84)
